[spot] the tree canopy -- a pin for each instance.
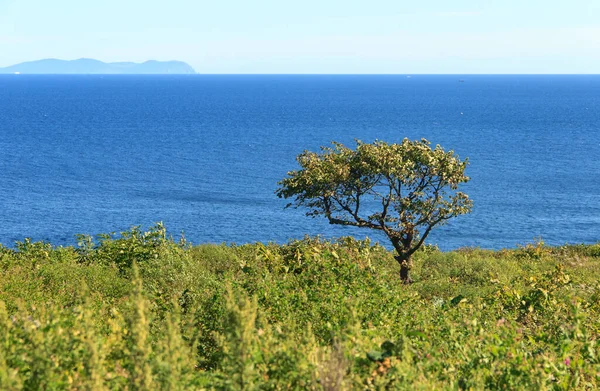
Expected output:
(403, 189)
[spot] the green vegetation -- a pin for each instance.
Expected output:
(139, 311)
(403, 190)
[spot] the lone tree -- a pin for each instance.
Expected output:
(401, 189)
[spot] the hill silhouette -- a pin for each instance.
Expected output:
(91, 66)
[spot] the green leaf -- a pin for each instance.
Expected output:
(375, 355)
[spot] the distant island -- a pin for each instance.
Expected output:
(87, 66)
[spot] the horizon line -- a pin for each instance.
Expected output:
(307, 74)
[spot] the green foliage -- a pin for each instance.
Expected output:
(133, 246)
(413, 186)
(308, 315)
(403, 190)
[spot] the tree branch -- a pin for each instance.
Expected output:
(358, 221)
(424, 236)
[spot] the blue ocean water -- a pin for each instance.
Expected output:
(203, 154)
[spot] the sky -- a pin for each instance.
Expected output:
(311, 36)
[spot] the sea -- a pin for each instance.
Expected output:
(203, 153)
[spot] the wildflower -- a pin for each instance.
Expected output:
(568, 361)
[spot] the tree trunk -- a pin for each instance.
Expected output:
(404, 262)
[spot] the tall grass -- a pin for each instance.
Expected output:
(139, 311)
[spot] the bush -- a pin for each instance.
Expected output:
(140, 311)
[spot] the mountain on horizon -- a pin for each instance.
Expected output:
(90, 66)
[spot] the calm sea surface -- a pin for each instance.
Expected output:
(203, 154)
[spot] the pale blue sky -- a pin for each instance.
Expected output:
(312, 36)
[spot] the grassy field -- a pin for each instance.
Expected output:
(139, 311)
